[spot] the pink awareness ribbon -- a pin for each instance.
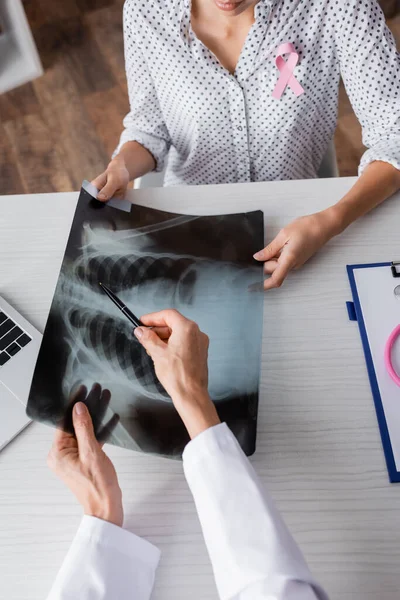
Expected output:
(286, 69)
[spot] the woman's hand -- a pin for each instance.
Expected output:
(114, 181)
(83, 466)
(180, 361)
(295, 244)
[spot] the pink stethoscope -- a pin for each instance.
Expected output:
(388, 354)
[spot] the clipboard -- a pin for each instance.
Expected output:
(376, 308)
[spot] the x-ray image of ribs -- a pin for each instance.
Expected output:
(202, 266)
(147, 278)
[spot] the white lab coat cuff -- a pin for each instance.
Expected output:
(112, 536)
(212, 440)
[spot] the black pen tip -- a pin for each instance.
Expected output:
(100, 283)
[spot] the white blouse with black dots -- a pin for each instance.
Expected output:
(221, 128)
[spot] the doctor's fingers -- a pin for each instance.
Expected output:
(64, 434)
(83, 426)
(164, 332)
(150, 341)
(170, 318)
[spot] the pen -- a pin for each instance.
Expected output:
(122, 307)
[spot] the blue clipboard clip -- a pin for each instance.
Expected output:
(394, 266)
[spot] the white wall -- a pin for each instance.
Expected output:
(19, 60)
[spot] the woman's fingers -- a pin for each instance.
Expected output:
(100, 181)
(270, 266)
(277, 260)
(109, 186)
(285, 263)
(109, 189)
(119, 194)
(273, 249)
(113, 182)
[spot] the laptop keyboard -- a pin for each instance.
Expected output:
(12, 338)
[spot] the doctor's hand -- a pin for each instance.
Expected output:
(88, 472)
(113, 182)
(179, 351)
(295, 244)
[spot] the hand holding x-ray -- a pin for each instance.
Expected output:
(97, 401)
(180, 362)
(295, 244)
(79, 461)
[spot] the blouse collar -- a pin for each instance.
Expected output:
(261, 12)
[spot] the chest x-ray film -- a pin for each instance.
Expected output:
(152, 260)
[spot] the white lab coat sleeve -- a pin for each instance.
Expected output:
(106, 562)
(253, 555)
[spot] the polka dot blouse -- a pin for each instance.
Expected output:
(215, 127)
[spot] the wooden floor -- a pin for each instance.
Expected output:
(62, 128)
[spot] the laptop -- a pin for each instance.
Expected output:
(19, 349)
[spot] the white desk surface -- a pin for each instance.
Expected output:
(319, 449)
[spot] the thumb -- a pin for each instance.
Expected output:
(272, 249)
(149, 340)
(83, 427)
(109, 189)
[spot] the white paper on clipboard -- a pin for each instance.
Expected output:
(381, 313)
